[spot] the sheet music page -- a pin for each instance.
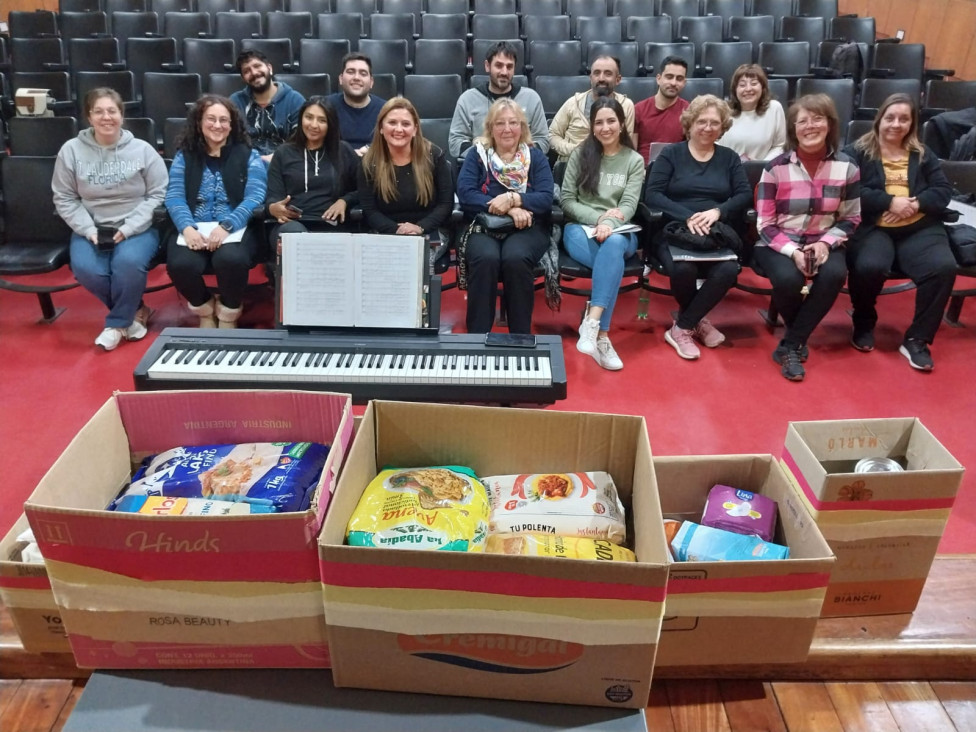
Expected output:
(389, 281)
(318, 280)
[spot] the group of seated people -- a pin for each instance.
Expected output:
(822, 212)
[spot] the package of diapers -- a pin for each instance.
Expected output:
(696, 543)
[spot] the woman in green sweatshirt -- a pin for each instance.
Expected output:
(599, 194)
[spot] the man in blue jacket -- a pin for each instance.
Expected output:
(270, 107)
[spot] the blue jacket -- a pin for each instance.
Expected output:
(271, 125)
(474, 195)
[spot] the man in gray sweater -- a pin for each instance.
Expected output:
(472, 106)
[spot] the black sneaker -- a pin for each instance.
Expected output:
(863, 340)
(781, 350)
(917, 353)
(790, 360)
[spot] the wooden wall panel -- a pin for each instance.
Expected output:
(9, 5)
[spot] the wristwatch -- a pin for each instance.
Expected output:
(226, 226)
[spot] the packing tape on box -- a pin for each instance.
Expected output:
(805, 604)
(32, 599)
(425, 612)
(83, 588)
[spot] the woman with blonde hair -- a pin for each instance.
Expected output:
(405, 183)
(504, 175)
(698, 183)
(903, 196)
(758, 129)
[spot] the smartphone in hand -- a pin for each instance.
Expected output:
(106, 238)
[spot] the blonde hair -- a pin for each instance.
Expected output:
(699, 104)
(378, 163)
(496, 108)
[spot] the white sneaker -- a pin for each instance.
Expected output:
(606, 356)
(110, 338)
(136, 331)
(587, 340)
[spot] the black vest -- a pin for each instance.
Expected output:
(233, 171)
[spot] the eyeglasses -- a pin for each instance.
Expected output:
(501, 123)
(217, 121)
(815, 121)
(704, 123)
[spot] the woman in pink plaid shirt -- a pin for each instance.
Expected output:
(808, 204)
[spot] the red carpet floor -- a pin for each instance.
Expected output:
(733, 400)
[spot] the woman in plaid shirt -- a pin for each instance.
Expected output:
(808, 204)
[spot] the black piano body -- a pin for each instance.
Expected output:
(438, 367)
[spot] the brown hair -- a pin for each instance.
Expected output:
(192, 140)
(378, 163)
(819, 104)
(699, 104)
(101, 92)
(869, 141)
(750, 71)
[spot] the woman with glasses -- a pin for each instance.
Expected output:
(698, 183)
(808, 204)
(106, 184)
(903, 196)
(312, 176)
(216, 182)
(600, 191)
(504, 174)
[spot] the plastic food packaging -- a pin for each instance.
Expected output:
(443, 507)
(169, 506)
(560, 504)
(740, 511)
(696, 543)
(279, 474)
(563, 547)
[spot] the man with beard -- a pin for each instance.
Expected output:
(472, 105)
(356, 107)
(571, 125)
(270, 108)
(658, 119)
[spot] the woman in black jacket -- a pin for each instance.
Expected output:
(903, 195)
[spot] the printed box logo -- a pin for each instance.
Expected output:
(494, 653)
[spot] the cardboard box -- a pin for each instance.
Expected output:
(884, 527)
(741, 612)
(508, 627)
(139, 591)
(26, 593)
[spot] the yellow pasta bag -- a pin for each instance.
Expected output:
(566, 547)
(443, 507)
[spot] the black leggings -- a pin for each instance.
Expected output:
(695, 303)
(920, 250)
(231, 263)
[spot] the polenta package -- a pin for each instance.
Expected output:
(560, 504)
(442, 507)
(563, 547)
(278, 474)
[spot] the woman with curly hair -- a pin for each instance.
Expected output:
(216, 182)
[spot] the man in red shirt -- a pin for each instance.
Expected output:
(657, 119)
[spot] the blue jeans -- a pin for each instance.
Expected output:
(607, 262)
(117, 278)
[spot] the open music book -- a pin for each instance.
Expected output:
(352, 280)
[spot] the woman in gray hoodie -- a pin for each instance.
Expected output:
(106, 184)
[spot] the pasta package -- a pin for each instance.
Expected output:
(563, 547)
(559, 504)
(440, 508)
(278, 474)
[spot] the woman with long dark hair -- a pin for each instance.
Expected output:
(312, 176)
(405, 182)
(601, 189)
(903, 196)
(216, 182)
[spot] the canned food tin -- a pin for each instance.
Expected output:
(877, 465)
